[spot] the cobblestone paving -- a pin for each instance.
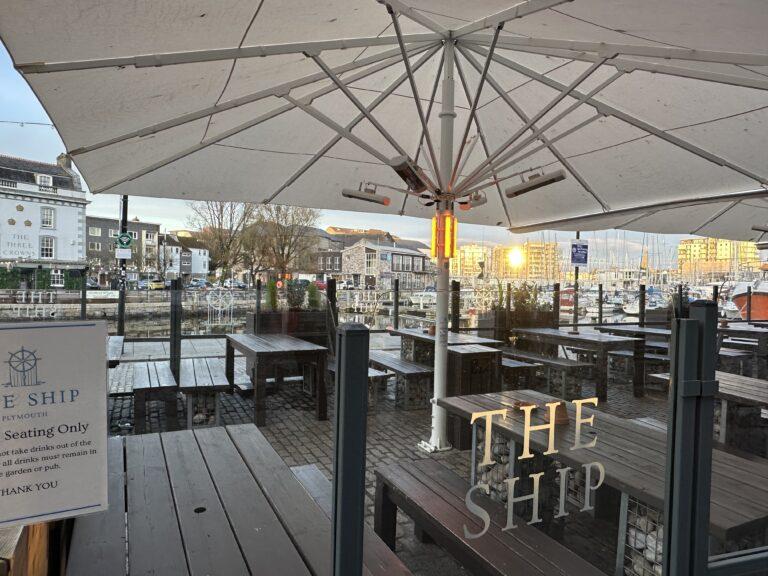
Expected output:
(392, 436)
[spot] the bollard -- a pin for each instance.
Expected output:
(641, 313)
(556, 305)
(396, 304)
(349, 449)
(455, 305)
(599, 303)
(716, 293)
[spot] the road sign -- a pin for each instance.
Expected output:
(124, 240)
(123, 253)
(579, 252)
(279, 283)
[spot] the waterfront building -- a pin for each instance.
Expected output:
(375, 266)
(471, 260)
(181, 255)
(712, 259)
(42, 223)
(101, 237)
(534, 261)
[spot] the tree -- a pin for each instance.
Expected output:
(287, 232)
(256, 255)
(221, 226)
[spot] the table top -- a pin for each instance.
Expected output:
(473, 349)
(213, 501)
(744, 328)
(454, 338)
(636, 330)
(589, 337)
(273, 343)
(733, 387)
(634, 457)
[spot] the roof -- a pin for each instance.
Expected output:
(24, 170)
(192, 242)
(387, 248)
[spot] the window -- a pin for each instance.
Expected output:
(337, 263)
(328, 261)
(134, 234)
(57, 278)
(397, 262)
(47, 247)
(418, 264)
(370, 263)
(94, 246)
(320, 263)
(113, 233)
(149, 237)
(44, 180)
(47, 217)
(407, 263)
(94, 231)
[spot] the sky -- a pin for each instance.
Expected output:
(38, 140)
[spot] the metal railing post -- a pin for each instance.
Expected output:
(749, 303)
(556, 305)
(599, 303)
(349, 449)
(175, 336)
(396, 304)
(121, 294)
(680, 307)
(641, 306)
(257, 314)
(716, 293)
(330, 293)
(83, 293)
(455, 305)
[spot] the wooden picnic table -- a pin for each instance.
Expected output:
(601, 344)
(270, 351)
(732, 388)
(210, 501)
(418, 346)
(636, 331)
(744, 330)
(634, 457)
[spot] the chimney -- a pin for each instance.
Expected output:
(64, 161)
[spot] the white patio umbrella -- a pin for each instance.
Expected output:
(655, 111)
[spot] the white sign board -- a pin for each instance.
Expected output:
(53, 421)
(123, 253)
(579, 252)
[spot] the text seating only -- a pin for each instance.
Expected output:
(376, 552)
(413, 380)
(434, 497)
(376, 379)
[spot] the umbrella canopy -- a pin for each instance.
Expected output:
(655, 110)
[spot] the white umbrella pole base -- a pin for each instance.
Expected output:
(427, 446)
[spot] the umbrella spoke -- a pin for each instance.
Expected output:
(516, 11)
(418, 17)
(336, 139)
(524, 117)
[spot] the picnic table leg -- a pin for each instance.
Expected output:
(638, 376)
(171, 411)
(139, 412)
(216, 408)
(190, 410)
(321, 393)
(385, 515)
(601, 375)
(723, 421)
(229, 365)
(622, 538)
(259, 377)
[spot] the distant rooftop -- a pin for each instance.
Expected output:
(23, 170)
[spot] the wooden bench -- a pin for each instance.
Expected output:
(517, 374)
(202, 380)
(414, 380)
(433, 497)
(377, 556)
(735, 360)
(376, 379)
(654, 362)
(564, 366)
(153, 381)
(114, 350)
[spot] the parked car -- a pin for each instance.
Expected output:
(347, 285)
(92, 284)
(142, 285)
(234, 284)
(156, 284)
(321, 284)
(199, 284)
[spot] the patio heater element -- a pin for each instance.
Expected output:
(445, 231)
(475, 200)
(366, 194)
(535, 181)
(411, 173)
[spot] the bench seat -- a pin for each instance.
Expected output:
(649, 356)
(376, 379)
(413, 380)
(397, 364)
(516, 374)
(433, 497)
(115, 346)
(553, 362)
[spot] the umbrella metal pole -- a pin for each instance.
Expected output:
(439, 439)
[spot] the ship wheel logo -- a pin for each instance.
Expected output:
(22, 368)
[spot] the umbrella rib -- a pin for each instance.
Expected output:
(517, 11)
(605, 48)
(483, 168)
(338, 128)
(608, 110)
(483, 141)
(394, 55)
(575, 222)
(359, 105)
(475, 101)
(415, 92)
(418, 17)
(715, 216)
(429, 113)
(524, 117)
(335, 140)
(217, 54)
(244, 126)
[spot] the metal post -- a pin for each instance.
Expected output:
(641, 313)
(330, 293)
(396, 304)
(349, 449)
(455, 305)
(576, 294)
(680, 307)
(508, 309)
(175, 336)
(257, 315)
(716, 293)
(599, 303)
(438, 439)
(83, 293)
(749, 303)
(121, 295)
(556, 305)
(693, 351)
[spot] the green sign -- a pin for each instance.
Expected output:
(124, 240)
